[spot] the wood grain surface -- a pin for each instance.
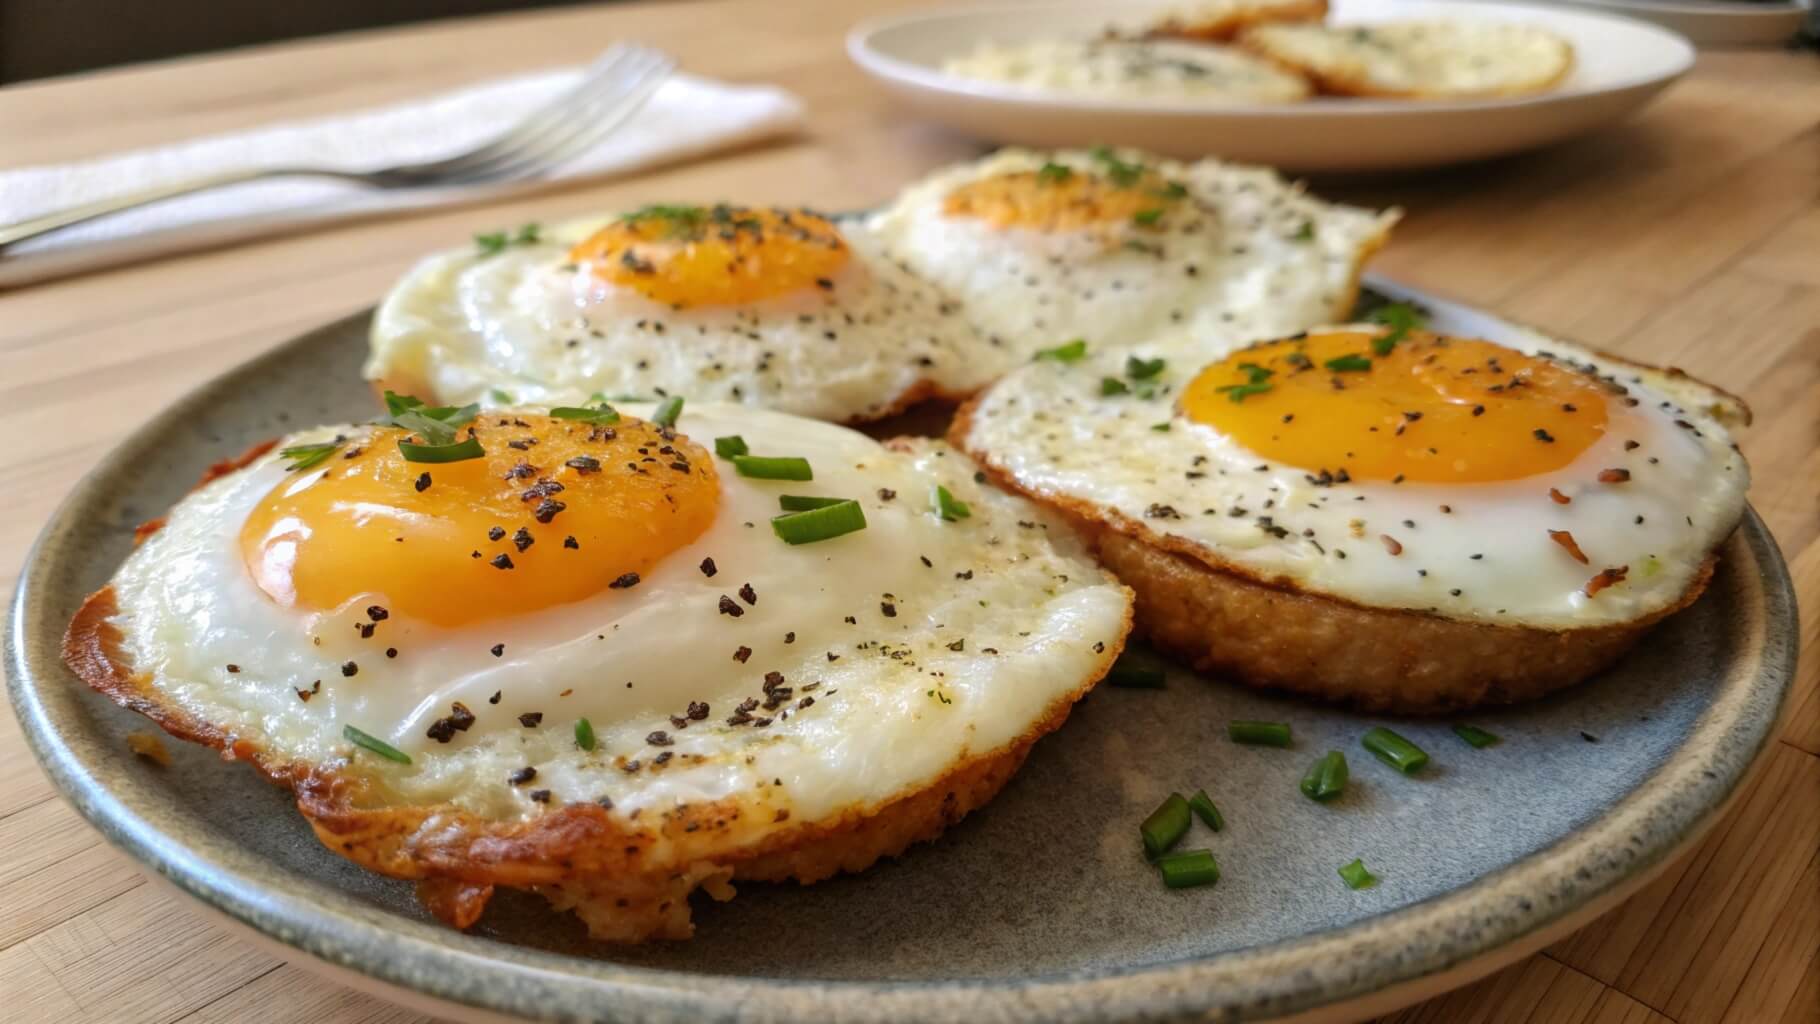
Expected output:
(1690, 235)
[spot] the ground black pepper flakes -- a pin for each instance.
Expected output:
(423, 483)
(499, 650)
(886, 494)
(377, 613)
(501, 561)
(888, 609)
(522, 776)
(571, 543)
(495, 698)
(542, 796)
(625, 581)
(348, 668)
(391, 652)
(742, 654)
(522, 539)
(547, 510)
(698, 710)
(659, 738)
(707, 568)
(790, 637)
(728, 606)
(747, 594)
(531, 719)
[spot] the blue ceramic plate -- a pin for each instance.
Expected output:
(1039, 907)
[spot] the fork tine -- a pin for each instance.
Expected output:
(590, 124)
(601, 74)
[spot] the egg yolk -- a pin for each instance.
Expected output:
(555, 511)
(1058, 198)
(1431, 410)
(687, 256)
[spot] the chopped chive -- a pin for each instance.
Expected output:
(1126, 672)
(729, 446)
(435, 424)
(763, 467)
(1072, 352)
(1475, 736)
(818, 524)
(1356, 876)
(599, 415)
(666, 414)
(1166, 826)
(1147, 218)
(1259, 734)
(1202, 806)
(1352, 362)
(1171, 190)
(1053, 173)
(584, 734)
(373, 743)
(1161, 428)
(460, 451)
(501, 396)
(1143, 369)
(1240, 392)
(1188, 869)
(1112, 386)
(804, 502)
(306, 456)
(948, 506)
(1326, 778)
(1305, 233)
(1394, 750)
(1121, 173)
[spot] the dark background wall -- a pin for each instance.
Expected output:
(59, 37)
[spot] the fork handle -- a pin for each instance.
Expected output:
(60, 219)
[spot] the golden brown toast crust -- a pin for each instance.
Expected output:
(1223, 29)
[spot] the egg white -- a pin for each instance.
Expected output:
(1118, 68)
(992, 619)
(1137, 462)
(1243, 256)
(526, 326)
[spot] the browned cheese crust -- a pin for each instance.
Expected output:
(1225, 27)
(1273, 634)
(629, 882)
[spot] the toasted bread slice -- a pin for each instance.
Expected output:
(1422, 60)
(1218, 21)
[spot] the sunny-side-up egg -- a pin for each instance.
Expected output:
(784, 309)
(1117, 248)
(598, 659)
(1377, 513)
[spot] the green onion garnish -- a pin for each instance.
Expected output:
(1112, 386)
(1259, 734)
(374, 744)
(584, 734)
(1401, 318)
(598, 415)
(1172, 190)
(782, 467)
(1202, 806)
(306, 456)
(1166, 826)
(460, 451)
(495, 242)
(1352, 362)
(1394, 750)
(1127, 673)
(948, 506)
(805, 502)
(1143, 369)
(1257, 381)
(435, 424)
(501, 396)
(1475, 736)
(1326, 778)
(1161, 428)
(1147, 218)
(1189, 868)
(666, 414)
(1121, 173)
(1072, 352)
(818, 524)
(1053, 173)
(729, 446)
(1356, 876)
(1305, 233)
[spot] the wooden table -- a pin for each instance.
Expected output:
(1689, 236)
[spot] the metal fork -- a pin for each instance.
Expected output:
(615, 86)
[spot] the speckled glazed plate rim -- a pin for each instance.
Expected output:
(1445, 939)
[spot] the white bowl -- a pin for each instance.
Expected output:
(1619, 65)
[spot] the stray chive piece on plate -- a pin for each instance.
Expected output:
(1326, 778)
(1475, 736)
(1072, 352)
(1202, 806)
(308, 456)
(1259, 734)
(730, 446)
(948, 506)
(367, 741)
(805, 502)
(584, 734)
(1394, 750)
(765, 467)
(666, 414)
(1188, 869)
(818, 524)
(1166, 826)
(1356, 876)
(1127, 673)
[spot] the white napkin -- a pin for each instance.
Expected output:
(685, 117)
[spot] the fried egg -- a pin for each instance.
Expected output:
(1116, 68)
(1118, 248)
(784, 309)
(593, 659)
(1536, 484)
(1435, 59)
